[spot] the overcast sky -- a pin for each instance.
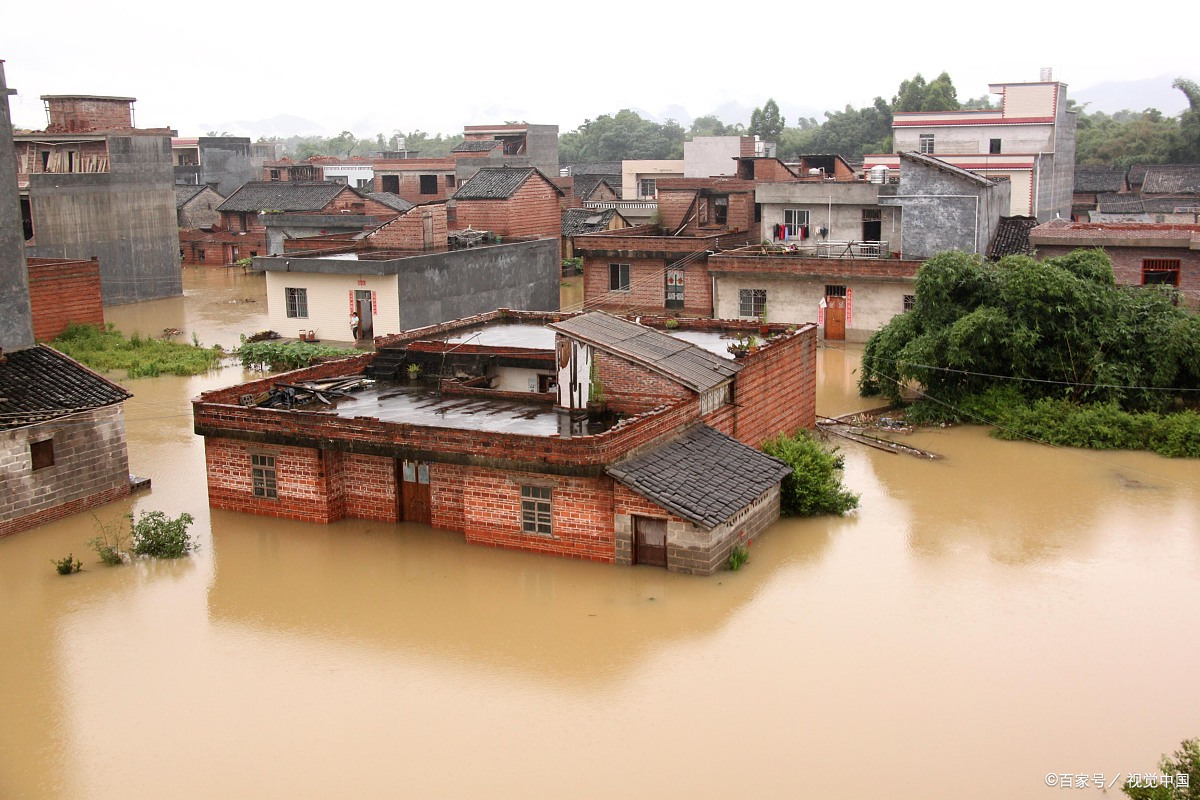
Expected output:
(371, 67)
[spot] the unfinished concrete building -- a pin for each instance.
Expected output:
(94, 185)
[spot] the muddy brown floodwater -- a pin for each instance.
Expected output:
(1009, 611)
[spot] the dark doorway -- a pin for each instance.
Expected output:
(366, 323)
(412, 481)
(872, 225)
(650, 541)
(27, 218)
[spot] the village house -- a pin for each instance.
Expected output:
(196, 206)
(404, 274)
(355, 171)
(639, 178)
(257, 218)
(509, 201)
(663, 268)
(1029, 139)
(94, 185)
(509, 145)
(1092, 183)
(1142, 254)
(417, 180)
(502, 436)
(578, 221)
(222, 162)
(285, 169)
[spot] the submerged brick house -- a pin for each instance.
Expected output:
(500, 438)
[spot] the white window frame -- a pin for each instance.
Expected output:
(925, 143)
(296, 302)
(752, 302)
(263, 476)
(624, 278)
(793, 219)
(647, 188)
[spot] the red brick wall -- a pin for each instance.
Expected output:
(406, 231)
(369, 487)
(647, 286)
(532, 210)
(304, 490)
(581, 509)
(77, 114)
(410, 171)
(215, 246)
(775, 392)
(62, 293)
(631, 388)
(675, 206)
(446, 482)
(1127, 265)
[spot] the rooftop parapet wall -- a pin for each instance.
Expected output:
(754, 261)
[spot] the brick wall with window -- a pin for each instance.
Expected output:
(1129, 266)
(648, 288)
(59, 468)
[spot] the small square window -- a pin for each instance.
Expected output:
(42, 454)
(618, 278)
(536, 516)
(1161, 270)
(994, 146)
(450, 181)
(262, 475)
(429, 184)
(910, 302)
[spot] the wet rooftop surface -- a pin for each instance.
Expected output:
(423, 405)
(513, 334)
(713, 342)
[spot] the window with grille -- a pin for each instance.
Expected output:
(647, 188)
(910, 302)
(618, 277)
(835, 291)
(674, 298)
(752, 302)
(297, 302)
(925, 143)
(262, 476)
(535, 510)
(1160, 270)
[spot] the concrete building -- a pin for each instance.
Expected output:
(221, 162)
(356, 172)
(403, 275)
(1142, 253)
(417, 180)
(714, 156)
(1030, 140)
(497, 438)
(639, 178)
(99, 187)
(518, 145)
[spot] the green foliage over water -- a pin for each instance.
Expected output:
(280, 355)
(1051, 350)
(815, 485)
(106, 350)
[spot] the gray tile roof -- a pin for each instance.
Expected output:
(498, 183)
(185, 194)
(586, 184)
(1012, 237)
(282, 196)
(703, 476)
(1137, 173)
(586, 220)
(684, 363)
(391, 200)
(1170, 180)
(594, 168)
(1099, 179)
(40, 383)
(476, 146)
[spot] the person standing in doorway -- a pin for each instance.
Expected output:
(354, 325)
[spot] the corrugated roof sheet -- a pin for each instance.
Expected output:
(40, 383)
(282, 196)
(703, 476)
(684, 363)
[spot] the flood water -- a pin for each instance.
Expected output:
(1008, 611)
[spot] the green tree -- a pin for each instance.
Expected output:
(1185, 761)
(767, 122)
(709, 125)
(814, 486)
(1055, 328)
(1188, 149)
(915, 94)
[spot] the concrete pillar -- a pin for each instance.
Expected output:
(16, 319)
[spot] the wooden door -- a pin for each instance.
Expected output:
(412, 478)
(650, 541)
(835, 318)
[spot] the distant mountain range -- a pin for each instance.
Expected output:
(1113, 96)
(730, 113)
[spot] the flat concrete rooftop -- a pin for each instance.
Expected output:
(423, 405)
(510, 334)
